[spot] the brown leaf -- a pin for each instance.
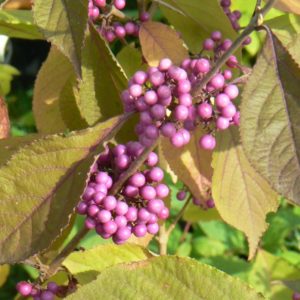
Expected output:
(292, 6)
(17, 4)
(159, 41)
(4, 120)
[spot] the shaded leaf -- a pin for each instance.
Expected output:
(193, 19)
(17, 4)
(287, 30)
(40, 186)
(68, 101)
(63, 23)
(4, 272)
(191, 164)
(270, 124)
(4, 120)
(239, 192)
(159, 41)
(131, 60)
(18, 24)
(195, 213)
(102, 80)
(206, 247)
(165, 277)
(292, 6)
(51, 79)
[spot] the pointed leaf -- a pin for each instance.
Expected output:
(165, 277)
(287, 30)
(18, 24)
(160, 41)
(63, 23)
(7, 74)
(194, 16)
(104, 256)
(103, 80)
(40, 186)
(270, 124)
(191, 164)
(4, 120)
(51, 79)
(239, 192)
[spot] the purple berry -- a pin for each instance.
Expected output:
(148, 192)
(152, 159)
(229, 111)
(122, 162)
(52, 287)
(155, 206)
(82, 208)
(210, 203)
(231, 91)
(168, 129)
(130, 191)
(205, 111)
(216, 36)
(208, 44)
(137, 180)
(158, 112)
(119, 4)
(218, 81)
(222, 123)
(222, 100)
(104, 216)
(177, 140)
(153, 228)
(181, 195)
(140, 77)
(110, 227)
(110, 203)
(236, 119)
(207, 142)
(90, 223)
(121, 221)
(203, 65)
(151, 97)
(156, 174)
(185, 99)
(121, 208)
(140, 230)
(143, 215)
(151, 132)
(165, 64)
(164, 213)
(24, 288)
(92, 210)
(47, 295)
(181, 112)
(132, 214)
(135, 90)
(144, 16)
(156, 78)
(123, 233)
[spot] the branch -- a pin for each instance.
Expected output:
(257, 18)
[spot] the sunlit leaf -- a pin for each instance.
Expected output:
(63, 23)
(270, 124)
(242, 197)
(18, 24)
(40, 186)
(4, 272)
(191, 164)
(7, 74)
(102, 82)
(292, 6)
(165, 277)
(195, 20)
(195, 213)
(160, 41)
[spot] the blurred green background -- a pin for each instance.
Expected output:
(275, 271)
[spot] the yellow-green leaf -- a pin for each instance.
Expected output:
(51, 79)
(195, 20)
(287, 30)
(40, 186)
(242, 197)
(4, 272)
(195, 213)
(160, 41)
(191, 164)
(63, 23)
(270, 123)
(103, 80)
(165, 278)
(18, 24)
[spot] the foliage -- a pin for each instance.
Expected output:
(239, 201)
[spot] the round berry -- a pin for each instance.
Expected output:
(120, 4)
(148, 192)
(207, 142)
(140, 230)
(24, 288)
(205, 111)
(181, 195)
(231, 91)
(153, 228)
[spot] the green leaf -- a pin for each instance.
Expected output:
(95, 260)
(287, 30)
(270, 123)
(103, 80)
(292, 6)
(165, 277)
(159, 41)
(194, 213)
(193, 19)
(18, 24)
(204, 246)
(51, 79)
(239, 192)
(131, 60)
(7, 73)
(40, 186)
(191, 164)
(69, 100)
(63, 23)
(4, 272)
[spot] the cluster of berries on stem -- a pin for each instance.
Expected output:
(137, 207)
(103, 15)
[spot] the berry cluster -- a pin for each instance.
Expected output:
(234, 17)
(296, 296)
(137, 207)
(182, 195)
(113, 30)
(27, 289)
(163, 97)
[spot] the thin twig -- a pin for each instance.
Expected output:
(259, 13)
(178, 217)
